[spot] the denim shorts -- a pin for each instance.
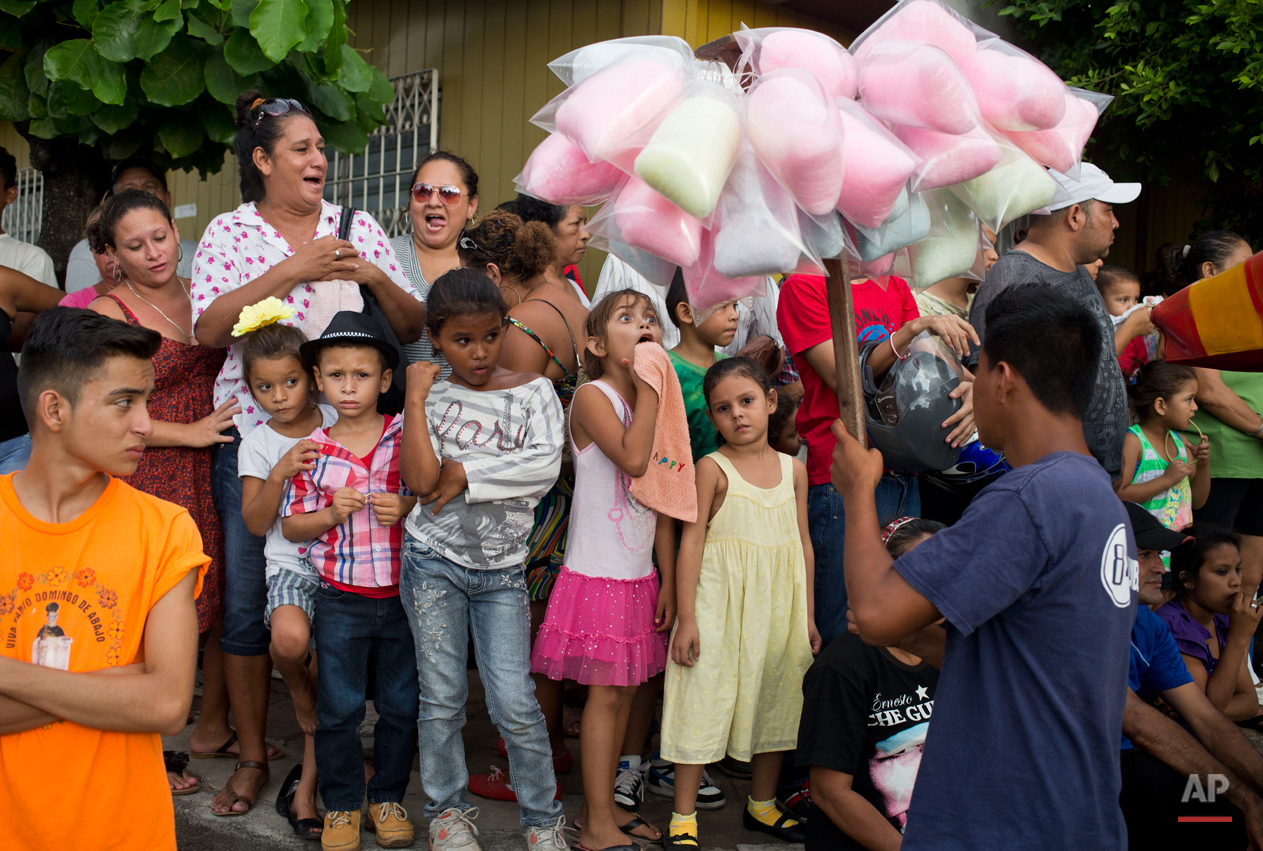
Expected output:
(245, 589)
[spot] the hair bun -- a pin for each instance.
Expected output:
(246, 104)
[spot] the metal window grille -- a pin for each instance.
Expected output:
(23, 217)
(376, 181)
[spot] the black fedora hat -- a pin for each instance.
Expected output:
(349, 327)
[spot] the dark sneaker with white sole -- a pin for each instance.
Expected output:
(735, 768)
(662, 782)
(629, 786)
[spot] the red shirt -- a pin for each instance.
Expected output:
(1133, 357)
(803, 318)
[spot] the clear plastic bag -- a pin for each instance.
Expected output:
(577, 65)
(559, 173)
(612, 114)
(769, 49)
(951, 249)
(1061, 148)
(653, 269)
(908, 224)
(917, 85)
(823, 235)
(883, 166)
(689, 156)
(797, 133)
(1014, 90)
(708, 287)
(921, 20)
(637, 216)
(1017, 185)
(948, 159)
(756, 224)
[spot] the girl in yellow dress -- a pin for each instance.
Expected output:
(746, 630)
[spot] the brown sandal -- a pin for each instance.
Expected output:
(236, 799)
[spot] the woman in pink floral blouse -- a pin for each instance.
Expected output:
(282, 242)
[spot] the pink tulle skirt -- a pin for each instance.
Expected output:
(600, 631)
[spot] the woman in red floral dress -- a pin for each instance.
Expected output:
(137, 230)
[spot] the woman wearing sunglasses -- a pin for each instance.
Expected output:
(443, 201)
(281, 242)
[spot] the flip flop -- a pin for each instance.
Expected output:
(303, 827)
(627, 828)
(274, 751)
(176, 762)
(236, 799)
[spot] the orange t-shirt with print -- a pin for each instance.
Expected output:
(76, 596)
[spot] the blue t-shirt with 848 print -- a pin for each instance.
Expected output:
(1038, 584)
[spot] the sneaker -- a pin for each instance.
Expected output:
(549, 837)
(662, 782)
(736, 768)
(341, 831)
(390, 822)
(797, 833)
(629, 786)
(561, 763)
(496, 786)
(797, 802)
(454, 830)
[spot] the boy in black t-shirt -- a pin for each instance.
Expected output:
(866, 711)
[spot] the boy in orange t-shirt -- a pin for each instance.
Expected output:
(98, 629)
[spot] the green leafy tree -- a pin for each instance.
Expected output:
(1187, 75)
(88, 85)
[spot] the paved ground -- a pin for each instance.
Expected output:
(262, 828)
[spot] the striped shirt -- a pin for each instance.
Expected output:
(423, 349)
(509, 442)
(360, 553)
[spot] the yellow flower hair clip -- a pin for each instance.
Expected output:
(260, 315)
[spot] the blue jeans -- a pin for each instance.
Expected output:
(14, 454)
(445, 602)
(349, 629)
(897, 496)
(245, 591)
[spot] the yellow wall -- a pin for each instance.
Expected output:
(701, 21)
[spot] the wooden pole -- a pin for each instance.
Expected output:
(846, 353)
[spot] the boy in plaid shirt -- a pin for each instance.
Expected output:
(349, 505)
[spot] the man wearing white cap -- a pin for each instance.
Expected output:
(1078, 230)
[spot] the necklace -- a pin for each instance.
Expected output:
(176, 325)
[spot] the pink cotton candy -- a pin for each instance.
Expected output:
(922, 20)
(918, 85)
(948, 159)
(870, 190)
(1015, 91)
(647, 221)
(1061, 147)
(798, 135)
(558, 172)
(622, 102)
(832, 65)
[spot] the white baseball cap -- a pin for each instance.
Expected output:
(1093, 184)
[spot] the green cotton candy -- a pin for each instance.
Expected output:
(952, 246)
(1009, 190)
(690, 154)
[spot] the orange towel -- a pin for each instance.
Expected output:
(670, 484)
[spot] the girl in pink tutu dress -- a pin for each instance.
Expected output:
(608, 615)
